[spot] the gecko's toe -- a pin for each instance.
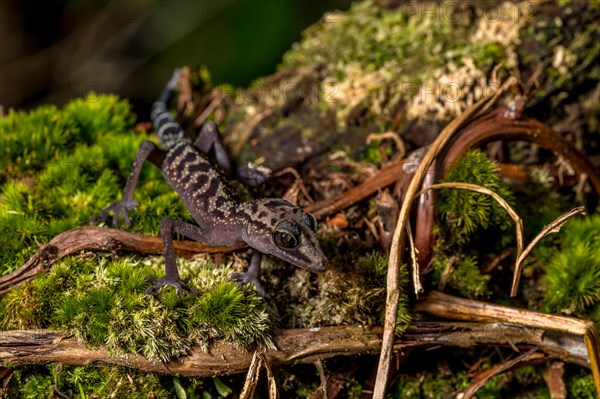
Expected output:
(150, 290)
(243, 278)
(179, 285)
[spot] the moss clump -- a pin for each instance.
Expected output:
(429, 385)
(461, 213)
(464, 212)
(446, 382)
(436, 61)
(357, 296)
(572, 276)
(28, 140)
(55, 381)
(64, 165)
(582, 386)
(103, 303)
(461, 275)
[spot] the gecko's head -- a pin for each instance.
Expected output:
(281, 229)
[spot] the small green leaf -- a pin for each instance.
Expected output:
(179, 389)
(223, 389)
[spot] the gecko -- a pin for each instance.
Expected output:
(270, 225)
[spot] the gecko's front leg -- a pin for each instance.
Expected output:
(147, 151)
(169, 226)
(252, 275)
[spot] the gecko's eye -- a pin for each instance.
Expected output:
(286, 234)
(310, 221)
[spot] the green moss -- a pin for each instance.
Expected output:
(427, 385)
(64, 165)
(464, 212)
(444, 382)
(31, 385)
(461, 275)
(581, 386)
(355, 38)
(88, 382)
(376, 58)
(103, 303)
(226, 312)
(572, 276)
(461, 214)
(352, 292)
(28, 140)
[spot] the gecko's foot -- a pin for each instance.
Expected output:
(118, 208)
(179, 284)
(243, 278)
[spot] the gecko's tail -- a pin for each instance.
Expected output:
(168, 130)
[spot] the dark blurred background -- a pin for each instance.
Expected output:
(53, 51)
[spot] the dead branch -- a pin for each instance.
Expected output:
(92, 238)
(499, 125)
(442, 305)
(27, 347)
(389, 174)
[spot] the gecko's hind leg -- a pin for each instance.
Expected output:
(210, 140)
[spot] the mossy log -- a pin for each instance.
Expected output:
(411, 68)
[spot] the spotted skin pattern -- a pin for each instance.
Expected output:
(270, 226)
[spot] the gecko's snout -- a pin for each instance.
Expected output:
(323, 265)
(318, 264)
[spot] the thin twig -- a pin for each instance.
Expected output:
(553, 227)
(271, 381)
(252, 377)
(501, 201)
(209, 108)
(395, 137)
(481, 378)
(416, 278)
(98, 238)
(322, 377)
(297, 181)
(389, 174)
(397, 248)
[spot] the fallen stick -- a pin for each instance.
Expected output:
(93, 238)
(389, 174)
(447, 306)
(26, 347)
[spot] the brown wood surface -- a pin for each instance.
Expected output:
(299, 345)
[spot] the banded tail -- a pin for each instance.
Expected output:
(168, 130)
